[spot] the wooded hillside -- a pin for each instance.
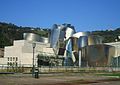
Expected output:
(10, 32)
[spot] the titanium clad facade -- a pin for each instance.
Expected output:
(31, 37)
(69, 32)
(83, 41)
(74, 41)
(54, 36)
(44, 40)
(99, 55)
(94, 40)
(79, 40)
(79, 34)
(59, 34)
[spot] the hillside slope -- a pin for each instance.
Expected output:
(10, 32)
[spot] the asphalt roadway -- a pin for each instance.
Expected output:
(58, 79)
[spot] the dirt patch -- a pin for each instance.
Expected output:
(55, 80)
(78, 82)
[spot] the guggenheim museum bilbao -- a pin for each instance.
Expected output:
(63, 47)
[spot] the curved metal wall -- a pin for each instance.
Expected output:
(44, 40)
(74, 41)
(82, 41)
(59, 34)
(78, 34)
(54, 36)
(79, 40)
(35, 38)
(31, 37)
(94, 39)
(69, 32)
(99, 55)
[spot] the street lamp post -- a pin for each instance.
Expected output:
(116, 54)
(117, 51)
(79, 58)
(33, 69)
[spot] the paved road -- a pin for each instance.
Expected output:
(57, 79)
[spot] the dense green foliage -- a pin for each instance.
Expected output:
(108, 35)
(10, 32)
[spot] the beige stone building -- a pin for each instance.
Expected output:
(21, 53)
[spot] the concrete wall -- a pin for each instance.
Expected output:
(3, 61)
(117, 48)
(21, 53)
(1, 52)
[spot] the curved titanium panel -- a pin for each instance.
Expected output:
(79, 40)
(78, 34)
(60, 33)
(99, 55)
(34, 37)
(82, 41)
(74, 43)
(31, 37)
(54, 36)
(44, 40)
(69, 32)
(94, 39)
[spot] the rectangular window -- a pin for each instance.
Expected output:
(16, 59)
(13, 63)
(8, 58)
(13, 58)
(16, 63)
(8, 63)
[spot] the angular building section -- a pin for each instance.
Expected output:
(59, 34)
(116, 57)
(98, 55)
(21, 53)
(81, 54)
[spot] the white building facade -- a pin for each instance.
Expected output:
(21, 53)
(117, 48)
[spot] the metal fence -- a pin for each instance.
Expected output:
(55, 69)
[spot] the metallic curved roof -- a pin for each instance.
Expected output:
(78, 34)
(35, 38)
